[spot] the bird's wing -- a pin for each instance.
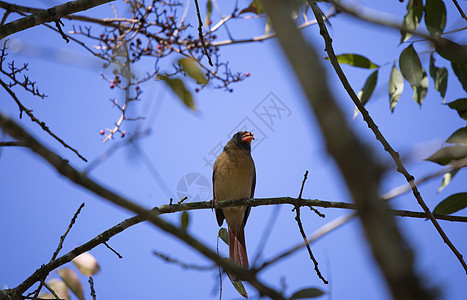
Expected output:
(219, 214)
(252, 194)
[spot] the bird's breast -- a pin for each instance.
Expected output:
(233, 177)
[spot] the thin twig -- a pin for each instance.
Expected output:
(200, 32)
(302, 231)
(303, 184)
(459, 9)
(181, 200)
(62, 238)
(48, 15)
(60, 245)
(113, 250)
(328, 227)
(59, 24)
(50, 290)
(91, 286)
(300, 197)
(264, 37)
(182, 264)
(379, 136)
(35, 120)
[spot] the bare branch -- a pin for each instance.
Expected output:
(48, 15)
(310, 253)
(35, 120)
(91, 286)
(113, 250)
(461, 12)
(182, 264)
(200, 32)
(59, 247)
(12, 144)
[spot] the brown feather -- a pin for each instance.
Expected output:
(234, 177)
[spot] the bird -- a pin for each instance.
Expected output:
(234, 177)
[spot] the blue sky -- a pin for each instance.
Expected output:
(38, 203)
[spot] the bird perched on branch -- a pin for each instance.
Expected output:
(234, 177)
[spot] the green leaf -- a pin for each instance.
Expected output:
(237, 284)
(412, 18)
(307, 293)
(255, 7)
(356, 60)
(458, 137)
(190, 66)
(451, 51)
(461, 72)
(365, 93)
(185, 219)
(208, 10)
(440, 77)
(447, 179)
(435, 16)
(178, 87)
(460, 105)
(396, 86)
(412, 70)
(224, 235)
(447, 154)
(451, 204)
(419, 92)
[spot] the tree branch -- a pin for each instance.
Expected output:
(48, 15)
(356, 162)
(35, 120)
(379, 136)
(12, 144)
(64, 168)
(459, 8)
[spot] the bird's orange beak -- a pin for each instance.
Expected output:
(248, 137)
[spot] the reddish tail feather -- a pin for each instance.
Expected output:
(237, 247)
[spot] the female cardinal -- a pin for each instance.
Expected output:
(234, 177)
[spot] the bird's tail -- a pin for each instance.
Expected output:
(237, 247)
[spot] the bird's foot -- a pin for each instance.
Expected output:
(245, 200)
(212, 203)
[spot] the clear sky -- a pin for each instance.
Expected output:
(175, 160)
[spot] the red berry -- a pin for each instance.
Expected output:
(159, 46)
(214, 37)
(247, 74)
(112, 85)
(197, 90)
(102, 35)
(209, 22)
(102, 132)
